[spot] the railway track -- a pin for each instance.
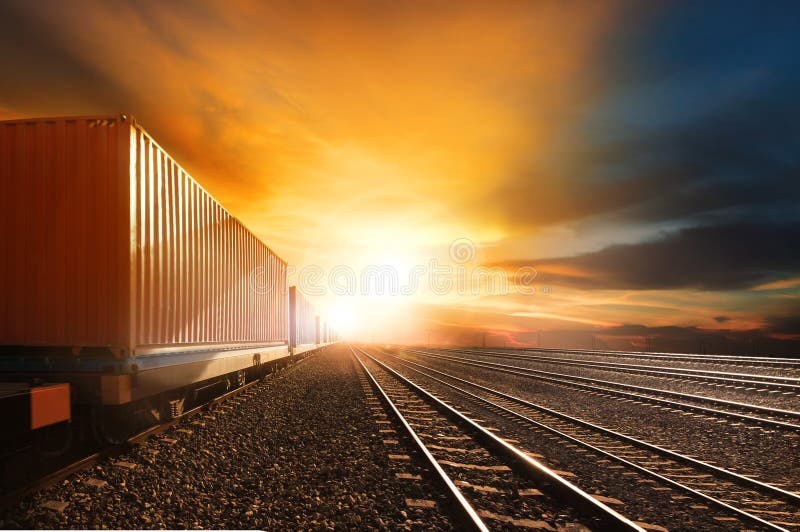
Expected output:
(784, 419)
(754, 501)
(743, 380)
(493, 483)
(719, 360)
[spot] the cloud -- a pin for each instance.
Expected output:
(341, 133)
(34, 61)
(285, 110)
(446, 326)
(695, 118)
(785, 322)
(721, 257)
(783, 284)
(724, 166)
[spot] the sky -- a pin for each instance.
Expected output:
(554, 173)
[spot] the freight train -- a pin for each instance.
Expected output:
(127, 292)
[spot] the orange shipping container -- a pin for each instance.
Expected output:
(106, 242)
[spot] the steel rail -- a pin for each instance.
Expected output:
(559, 378)
(570, 493)
(467, 513)
(708, 498)
(767, 381)
(688, 357)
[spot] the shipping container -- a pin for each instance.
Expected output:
(301, 320)
(110, 250)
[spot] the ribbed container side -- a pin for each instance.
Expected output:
(302, 318)
(107, 242)
(202, 277)
(63, 215)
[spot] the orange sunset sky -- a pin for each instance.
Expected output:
(643, 160)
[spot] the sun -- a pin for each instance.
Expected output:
(343, 317)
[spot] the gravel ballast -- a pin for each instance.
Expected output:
(638, 496)
(698, 363)
(750, 394)
(301, 451)
(763, 453)
(503, 496)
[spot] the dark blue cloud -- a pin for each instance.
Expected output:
(701, 106)
(33, 58)
(697, 123)
(698, 126)
(708, 36)
(725, 257)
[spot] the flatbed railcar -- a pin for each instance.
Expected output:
(124, 279)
